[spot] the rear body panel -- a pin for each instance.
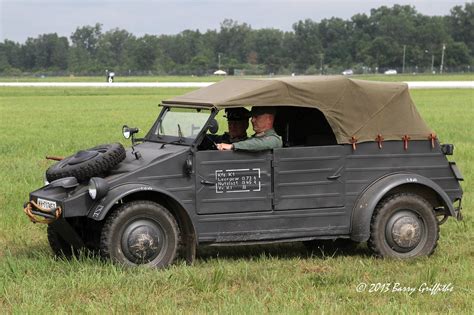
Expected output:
(314, 189)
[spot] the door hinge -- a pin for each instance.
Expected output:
(272, 198)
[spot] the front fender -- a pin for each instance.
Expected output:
(368, 200)
(100, 209)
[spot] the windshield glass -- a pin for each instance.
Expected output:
(182, 123)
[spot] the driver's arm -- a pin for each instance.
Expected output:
(225, 146)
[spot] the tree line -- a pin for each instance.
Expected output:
(388, 37)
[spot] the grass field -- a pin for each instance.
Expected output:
(379, 77)
(258, 279)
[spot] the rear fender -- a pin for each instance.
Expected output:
(365, 205)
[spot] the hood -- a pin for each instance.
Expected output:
(150, 152)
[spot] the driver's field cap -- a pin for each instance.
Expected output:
(236, 114)
(260, 110)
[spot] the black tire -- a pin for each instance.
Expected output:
(60, 247)
(140, 233)
(403, 226)
(88, 163)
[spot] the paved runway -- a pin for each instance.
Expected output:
(411, 84)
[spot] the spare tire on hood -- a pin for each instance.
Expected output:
(88, 163)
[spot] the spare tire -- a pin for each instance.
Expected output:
(88, 163)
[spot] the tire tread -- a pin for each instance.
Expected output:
(374, 228)
(122, 210)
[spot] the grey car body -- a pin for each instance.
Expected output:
(316, 187)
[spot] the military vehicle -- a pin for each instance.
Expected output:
(358, 163)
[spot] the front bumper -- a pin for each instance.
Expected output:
(71, 202)
(38, 214)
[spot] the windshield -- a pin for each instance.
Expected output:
(181, 123)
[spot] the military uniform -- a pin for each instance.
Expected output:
(232, 114)
(263, 141)
(225, 138)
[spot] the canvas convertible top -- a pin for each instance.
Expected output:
(356, 110)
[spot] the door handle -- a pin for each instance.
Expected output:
(336, 175)
(208, 183)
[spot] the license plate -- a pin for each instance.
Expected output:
(47, 204)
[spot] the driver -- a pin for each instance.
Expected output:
(238, 122)
(265, 137)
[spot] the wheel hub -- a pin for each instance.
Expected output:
(404, 231)
(82, 156)
(142, 241)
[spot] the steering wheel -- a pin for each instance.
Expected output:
(208, 143)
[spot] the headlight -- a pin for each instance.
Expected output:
(129, 131)
(98, 187)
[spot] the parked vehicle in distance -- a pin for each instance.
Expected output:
(348, 72)
(358, 164)
(391, 71)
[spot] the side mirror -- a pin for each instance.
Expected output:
(129, 132)
(188, 166)
(213, 126)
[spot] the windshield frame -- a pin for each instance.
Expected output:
(150, 136)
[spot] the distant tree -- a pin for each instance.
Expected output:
(336, 41)
(207, 47)
(461, 25)
(307, 48)
(199, 64)
(47, 52)
(114, 50)
(363, 42)
(145, 53)
(87, 38)
(233, 40)
(83, 52)
(266, 48)
(383, 52)
(362, 31)
(457, 54)
(9, 55)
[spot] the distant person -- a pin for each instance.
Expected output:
(265, 137)
(110, 76)
(238, 122)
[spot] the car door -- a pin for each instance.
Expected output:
(233, 181)
(309, 177)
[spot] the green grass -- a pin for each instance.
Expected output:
(379, 77)
(257, 279)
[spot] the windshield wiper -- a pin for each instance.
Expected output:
(179, 141)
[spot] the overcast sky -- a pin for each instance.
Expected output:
(20, 19)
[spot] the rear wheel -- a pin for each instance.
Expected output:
(403, 226)
(140, 233)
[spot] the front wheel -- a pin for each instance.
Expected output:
(403, 226)
(140, 233)
(59, 246)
